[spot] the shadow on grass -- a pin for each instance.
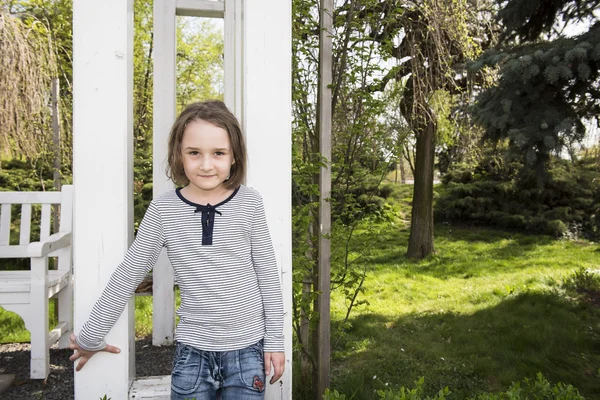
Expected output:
(485, 351)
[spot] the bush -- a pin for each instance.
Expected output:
(366, 199)
(16, 175)
(565, 204)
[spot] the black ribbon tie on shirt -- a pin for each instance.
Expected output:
(208, 222)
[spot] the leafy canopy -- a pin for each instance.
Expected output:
(548, 84)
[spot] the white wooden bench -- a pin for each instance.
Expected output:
(27, 292)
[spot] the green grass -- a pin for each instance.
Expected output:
(486, 310)
(143, 314)
(12, 327)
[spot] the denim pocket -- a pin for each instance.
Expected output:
(252, 367)
(186, 370)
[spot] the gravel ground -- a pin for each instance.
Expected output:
(14, 359)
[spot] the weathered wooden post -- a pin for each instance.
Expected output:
(324, 266)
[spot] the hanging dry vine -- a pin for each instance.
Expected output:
(27, 65)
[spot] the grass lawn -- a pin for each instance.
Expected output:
(487, 309)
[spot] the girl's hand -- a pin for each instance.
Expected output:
(278, 361)
(85, 355)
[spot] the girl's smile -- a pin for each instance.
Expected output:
(207, 160)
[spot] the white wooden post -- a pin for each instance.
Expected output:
(268, 125)
(65, 296)
(103, 179)
(165, 42)
(234, 57)
(40, 357)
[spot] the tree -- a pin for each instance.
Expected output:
(436, 36)
(200, 66)
(54, 18)
(548, 85)
(366, 35)
(26, 72)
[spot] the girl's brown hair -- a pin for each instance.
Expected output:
(215, 112)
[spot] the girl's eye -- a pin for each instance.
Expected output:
(219, 153)
(194, 153)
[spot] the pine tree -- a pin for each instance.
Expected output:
(548, 83)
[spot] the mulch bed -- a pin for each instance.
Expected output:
(14, 359)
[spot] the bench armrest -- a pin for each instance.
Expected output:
(51, 244)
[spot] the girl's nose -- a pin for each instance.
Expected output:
(206, 164)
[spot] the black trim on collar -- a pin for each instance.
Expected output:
(191, 203)
(208, 215)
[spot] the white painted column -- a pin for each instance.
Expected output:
(234, 57)
(268, 126)
(103, 179)
(165, 44)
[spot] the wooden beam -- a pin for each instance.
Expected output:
(324, 266)
(103, 180)
(267, 79)
(201, 8)
(163, 301)
(234, 57)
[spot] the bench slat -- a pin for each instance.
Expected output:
(14, 252)
(25, 233)
(5, 224)
(45, 222)
(20, 281)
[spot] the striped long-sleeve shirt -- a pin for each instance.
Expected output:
(225, 267)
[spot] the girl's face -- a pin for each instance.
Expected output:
(207, 156)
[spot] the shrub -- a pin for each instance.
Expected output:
(565, 204)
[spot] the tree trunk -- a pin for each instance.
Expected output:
(402, 171)
(420, 242)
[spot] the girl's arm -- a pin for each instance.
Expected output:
(140, 258)
(267, 272)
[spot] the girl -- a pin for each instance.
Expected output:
(230, 327)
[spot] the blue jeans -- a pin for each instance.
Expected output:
(211, 375)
